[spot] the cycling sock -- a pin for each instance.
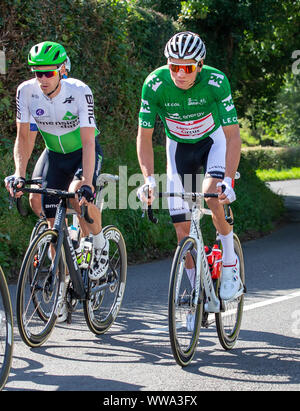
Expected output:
(99, 240)
(229, 257)
(191, 274)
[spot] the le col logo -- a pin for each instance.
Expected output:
(39, 112)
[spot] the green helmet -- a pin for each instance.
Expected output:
(47, 53)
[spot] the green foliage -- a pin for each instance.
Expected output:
(251, 41)
(257, 207)
(272, 157)
(277, 175)
(112, 47)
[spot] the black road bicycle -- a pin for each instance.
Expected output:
(6, 331)
(50, 278)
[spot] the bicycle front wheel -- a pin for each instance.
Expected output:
(40, 226)
(40, 291)
(228, 323)
(106, 294)
(185, 312)
(6, 331)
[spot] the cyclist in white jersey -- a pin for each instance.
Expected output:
(195, 105)
(35, 199)
(63, 110)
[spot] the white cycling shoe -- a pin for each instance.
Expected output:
(230, 281)
(100, 263)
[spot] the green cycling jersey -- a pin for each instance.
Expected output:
(188, 115)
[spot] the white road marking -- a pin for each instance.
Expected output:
(249, 307)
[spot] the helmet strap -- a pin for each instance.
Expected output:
(51, 92)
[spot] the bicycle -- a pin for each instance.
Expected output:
(6, 331)
(202, 297)
(51, 277)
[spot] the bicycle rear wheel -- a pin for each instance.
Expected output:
(185, 313)
(40, 291)
(106, 294)
(6, 331)
(228, 323)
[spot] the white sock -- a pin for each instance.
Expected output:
(229, 257)
(99, 240)
(191, 274)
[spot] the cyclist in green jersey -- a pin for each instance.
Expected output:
(195, 105)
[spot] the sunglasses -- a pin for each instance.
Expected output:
(46, 73)
(188, 68)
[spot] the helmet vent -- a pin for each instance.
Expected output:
(56, 56)
(47, 49)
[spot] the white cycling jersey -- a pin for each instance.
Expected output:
(58, 119)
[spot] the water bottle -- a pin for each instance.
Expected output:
(217, 262)
(86, 247)
(214, 259)
(73, 232)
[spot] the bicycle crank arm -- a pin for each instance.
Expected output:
(102, 287)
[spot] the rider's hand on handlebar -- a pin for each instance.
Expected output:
(87, 195)
(145, 193)
(226, 191)
(12, 182)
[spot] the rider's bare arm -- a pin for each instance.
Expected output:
(88, 154)
(233, 149)
(22, 149)
(145, 151)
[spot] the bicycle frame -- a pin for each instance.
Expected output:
(71, 260)
(203, 274)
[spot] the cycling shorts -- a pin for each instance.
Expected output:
(59, 170)
(185, 162)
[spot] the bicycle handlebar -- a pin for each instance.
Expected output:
(193, 197)
(54, 193)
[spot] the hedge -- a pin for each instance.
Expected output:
(272, 157)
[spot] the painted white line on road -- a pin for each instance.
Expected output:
(271, 301)
(229, 312)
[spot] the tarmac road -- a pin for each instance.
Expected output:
(135, 354)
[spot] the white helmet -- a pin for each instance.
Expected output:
(185, 45)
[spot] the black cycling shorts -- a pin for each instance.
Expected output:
(59, 170)
(185, 162)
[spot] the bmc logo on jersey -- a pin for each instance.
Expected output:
(90, 102)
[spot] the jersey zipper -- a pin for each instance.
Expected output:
(61, 146)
